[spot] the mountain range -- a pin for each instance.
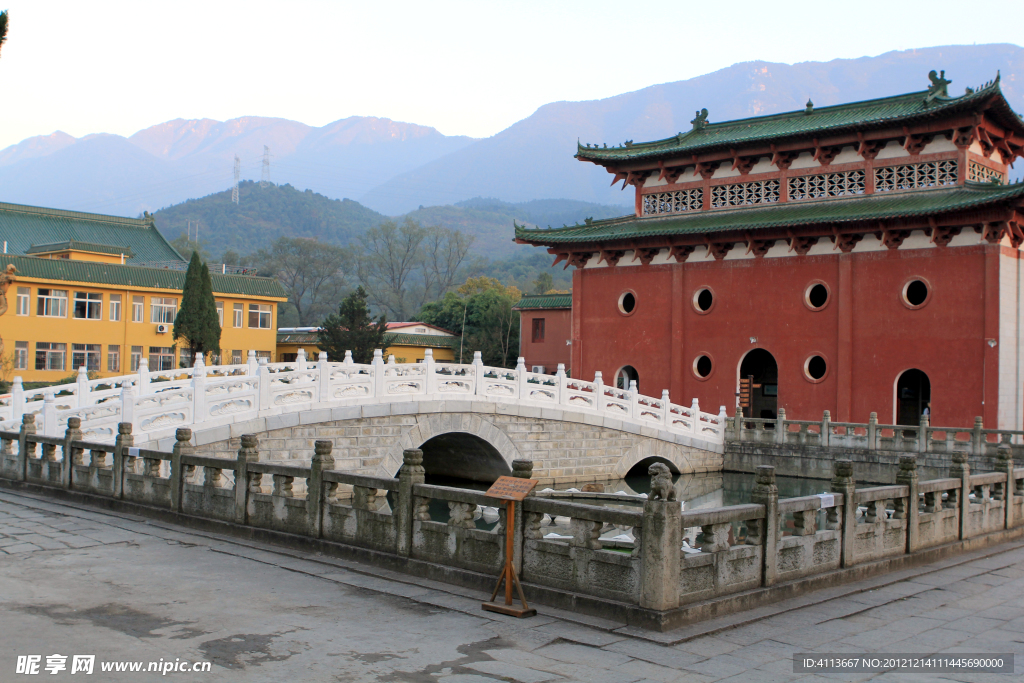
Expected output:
(394, 168)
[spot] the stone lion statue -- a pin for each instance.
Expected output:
(661, 482)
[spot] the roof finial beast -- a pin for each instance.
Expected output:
(700, 120)
(939, 85)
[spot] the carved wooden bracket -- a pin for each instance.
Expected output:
(647, 255)
(611, 256)
(845, 242)
(802, 245)
(760, 247)
(783, 160)
(742, 164)
(578, 259)
(720, 249)
(943, 236)
(963, 137)
(705, 169)
(892, 239)
(681, 252)
(869, 149)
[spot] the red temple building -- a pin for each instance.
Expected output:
(855, 258)
(545, 332)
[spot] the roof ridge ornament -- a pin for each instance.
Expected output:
(809, 109)
(939, 86)
(701, 120)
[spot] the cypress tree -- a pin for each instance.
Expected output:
(197, 321)
(352, 329)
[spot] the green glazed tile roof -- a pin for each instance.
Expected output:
(135, 276)
(428, 340)
(876, 207)
(855, 116)
(79, 246)
(544, 301)
(24, 226)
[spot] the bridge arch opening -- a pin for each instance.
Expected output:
(461, 455)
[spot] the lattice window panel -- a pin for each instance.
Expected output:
(673, 202)
(979, 173)
(915, 176)
(742, 194)
(826, 185)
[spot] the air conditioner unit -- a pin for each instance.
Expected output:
(162, 329)
(538, 369)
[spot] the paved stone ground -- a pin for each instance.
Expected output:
(75, 580)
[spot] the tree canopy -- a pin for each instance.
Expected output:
(313, 273)
(352, 329)
(481, 310)
(197, 322)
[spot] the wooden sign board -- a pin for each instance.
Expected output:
(511, 488)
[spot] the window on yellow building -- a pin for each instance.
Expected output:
(236, 355)
(220, 313)
(87, 355)
(136, 359)
(23, 297)
(237, 322)
(21, 355)
(50, 355)
(52, 303)
(263, 354)
(162, 309)
(88, 306)
(260, 316)
(138, 306)
(161, 357)
(113, 358)
(185, 357)
(115, 307)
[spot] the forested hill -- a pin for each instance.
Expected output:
(265, 213)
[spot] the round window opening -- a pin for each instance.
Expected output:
(817, 296)
(702, 366)
(816, 367)
(627, 302)
(916, 292)
(704, 299)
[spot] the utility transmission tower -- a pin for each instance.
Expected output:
(238, 172)
(265, 177)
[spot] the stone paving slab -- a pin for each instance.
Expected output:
(126, 588)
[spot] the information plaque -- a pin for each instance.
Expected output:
(511, 490)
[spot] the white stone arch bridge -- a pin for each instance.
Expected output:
(472, 420)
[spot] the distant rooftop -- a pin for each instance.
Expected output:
(534, 301)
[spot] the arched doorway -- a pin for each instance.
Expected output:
(762, 397)
(913, 395)
(461, 455)
(625, 375)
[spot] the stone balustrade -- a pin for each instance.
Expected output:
(740, 555)
(871, 436)
(201, 397)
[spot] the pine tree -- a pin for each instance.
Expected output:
(352, 329)
(197, 321)
(3, 28)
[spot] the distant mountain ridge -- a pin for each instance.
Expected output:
(393, 168)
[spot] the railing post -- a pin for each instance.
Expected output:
(780, 426)
(873, 431)
(908, 477)
(977, 438)
(767, 493)
(17, 399)
(961, 470)
(1004, 463)
(560, 379)
(49, 413)
(598, 391)
(143, 376)
(521, 378)
(738, 425)
(182, 446)
(322, 460)
(662, 537)
(430, 372)
(378, 372)
(264, 385)
(300, 359)
(72, 433)
(198, 390)
(124, 441)
(405, 513)
(523, 469)
(666, 406)
(28, 428)
(127, 402)
(695, 422)
(249, 452)
(922, 435)
(478, 373)
(634, 401)
(323, 378)
(83, 397)
(826, 428)
(844, 483)
(253, 365)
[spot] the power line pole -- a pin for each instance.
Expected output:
(238, 172)
(265, 177)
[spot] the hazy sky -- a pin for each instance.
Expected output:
(469, 68)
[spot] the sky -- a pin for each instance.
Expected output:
(466, 68)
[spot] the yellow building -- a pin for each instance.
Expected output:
(103, 291)
(407, 342)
